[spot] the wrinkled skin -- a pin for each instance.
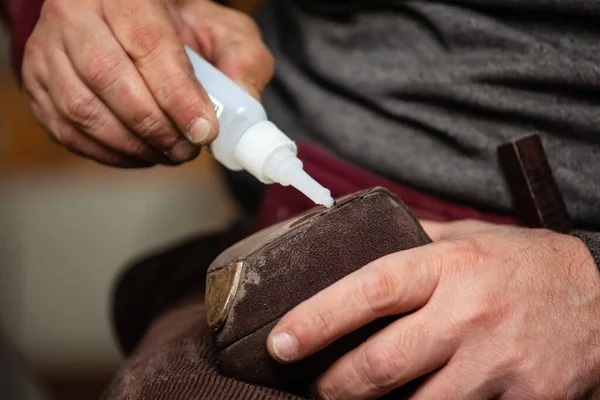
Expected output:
(492, 312)
(109, 79)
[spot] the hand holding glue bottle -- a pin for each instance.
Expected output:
(247, 140)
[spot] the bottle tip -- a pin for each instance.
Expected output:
(328, 200)
(299, 179)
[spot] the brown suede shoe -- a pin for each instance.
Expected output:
(254, 283)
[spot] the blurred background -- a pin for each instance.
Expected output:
(67, 227)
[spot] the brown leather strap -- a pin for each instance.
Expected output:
(537, 198)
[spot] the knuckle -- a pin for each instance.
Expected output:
(175, 89)
(67, 139)
(151, 126)
(489, 311)
(241, 22)
(245, 21)
(145, 41)
(36, 111)
(51, 130)
(503, 360)
(269, 62)
(33, 62)
(513, 357)
(133, 147)
(102, 70)
(381, 366)
(57, 8)
(470, 250)
(81, 108)
(33, 50)
(379, 291)
(259, 55)
(30, 86)
(266, 57)
(254, 56)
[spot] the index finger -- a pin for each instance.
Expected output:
(392, 285)
(146, 32)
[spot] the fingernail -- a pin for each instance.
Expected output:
(183, 151)
(284, 346)
(199, 131)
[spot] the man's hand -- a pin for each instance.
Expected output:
(109, 79)
(492, 312)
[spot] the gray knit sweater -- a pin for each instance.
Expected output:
(423, 92)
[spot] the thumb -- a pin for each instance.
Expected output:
(448, 230)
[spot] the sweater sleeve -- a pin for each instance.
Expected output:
(20, 17)
(592, 241)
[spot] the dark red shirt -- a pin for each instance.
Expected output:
(21, 17)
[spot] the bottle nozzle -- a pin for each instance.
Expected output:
(299, 179)
(285, 168)
(269, 155)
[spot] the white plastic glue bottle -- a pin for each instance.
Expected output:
(248, 140)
